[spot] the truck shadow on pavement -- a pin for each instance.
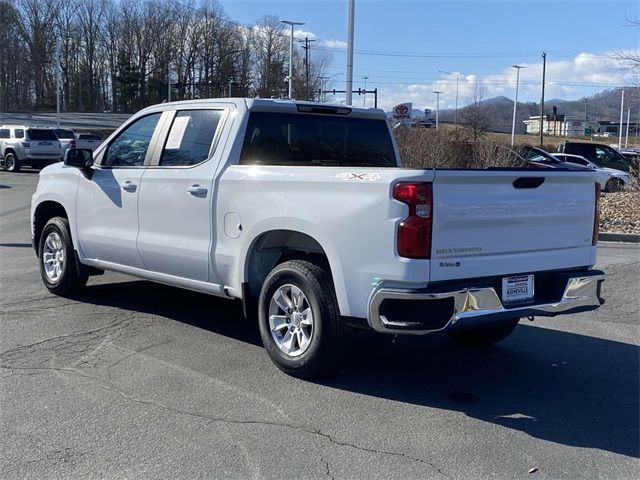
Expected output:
(561, 387)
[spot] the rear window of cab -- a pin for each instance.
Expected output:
(41, 134)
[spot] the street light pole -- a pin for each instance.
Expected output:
(515, 104)
(626, 140)
(437, 108)
(169, 82)
(292, 24)
(621, 113)
(349, 89)
(57, 82)
(457, 77)
(364, 96)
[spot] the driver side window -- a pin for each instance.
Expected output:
(129, 149)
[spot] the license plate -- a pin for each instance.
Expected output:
(517, 289)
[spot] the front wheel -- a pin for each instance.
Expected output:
(484, 336)
(11, 162)
(58, 267)
(300, 324)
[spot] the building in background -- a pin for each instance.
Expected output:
(558, 125)
(612, 129)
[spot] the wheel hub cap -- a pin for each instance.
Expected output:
(291, 320)
(53, 257)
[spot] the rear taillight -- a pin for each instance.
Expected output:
(596, 217)
(414, 232)
(26, 144)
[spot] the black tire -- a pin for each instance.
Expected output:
(11, 163)
(68, 281)
(614, 185)
(329, 334)
(484, 336)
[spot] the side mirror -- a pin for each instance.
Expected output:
(81, 158)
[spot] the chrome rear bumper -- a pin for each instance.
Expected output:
(474, 306)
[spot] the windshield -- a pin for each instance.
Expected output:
(537, 155)
(322, 140)
(607, 157)
(42, 134)
(61, 133)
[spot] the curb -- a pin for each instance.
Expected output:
(619, 237)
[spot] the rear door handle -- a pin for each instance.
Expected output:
(128, 186)
(197, 191)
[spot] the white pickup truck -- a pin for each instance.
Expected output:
(303, 212)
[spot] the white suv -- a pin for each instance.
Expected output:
(22, 145)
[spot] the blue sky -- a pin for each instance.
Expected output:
(478, 40)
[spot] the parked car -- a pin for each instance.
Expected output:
(33, 146)
(631, 153)
(88, 140)
(600, 154)
(67, 139)
(610, 180)
(303, 212)
(537, 157)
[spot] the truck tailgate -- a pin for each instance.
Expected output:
(496, 222)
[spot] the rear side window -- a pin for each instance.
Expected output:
(66, 134)
(315, 139)
(4, 133)
(41, 134)
(19, 133)
(190, 137)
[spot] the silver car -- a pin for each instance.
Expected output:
(22, 145)
(67, 138)
(88, 140)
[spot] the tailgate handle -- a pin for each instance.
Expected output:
(528, 182)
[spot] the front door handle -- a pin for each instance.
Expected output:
(197, 191)
(128, 186)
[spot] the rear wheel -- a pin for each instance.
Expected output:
(614, 185)
(484, 336)
(58, 267)
(300, 324)
(11, 162)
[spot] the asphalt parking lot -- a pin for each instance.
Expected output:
(137, 380)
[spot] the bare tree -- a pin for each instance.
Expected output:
(119, 55)
(271, 53)
(474, 117)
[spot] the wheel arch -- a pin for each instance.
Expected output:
(43, 212)
(273, 247)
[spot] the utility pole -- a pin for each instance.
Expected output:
(364, 96)
(437, 108)
(544, 69)
(307, 63)
(620, 126)
(515, 104)
(57, 82)
(352, 12)
(292, 24)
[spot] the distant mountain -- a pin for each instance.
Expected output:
(500, 100)
(601, 106)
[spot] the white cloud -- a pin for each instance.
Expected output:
(331, 43)
(302, 34)
(570, 79)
